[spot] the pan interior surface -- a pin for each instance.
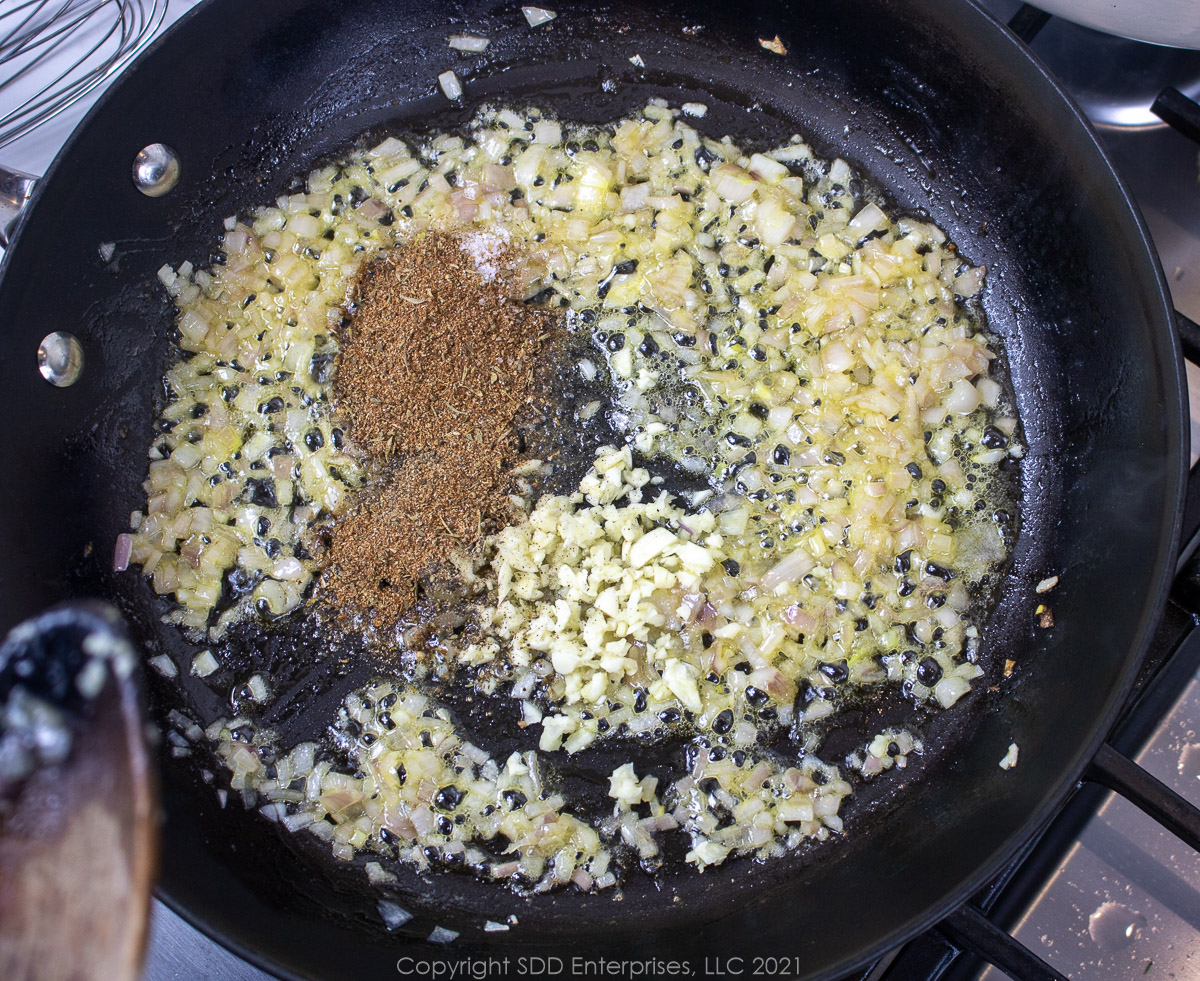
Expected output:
(949, 117)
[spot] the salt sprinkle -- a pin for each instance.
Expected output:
(485, 248)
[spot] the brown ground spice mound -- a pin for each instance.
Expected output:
(437, 362)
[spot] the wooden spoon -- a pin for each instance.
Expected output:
(78, 811)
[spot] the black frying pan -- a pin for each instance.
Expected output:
(940, 108)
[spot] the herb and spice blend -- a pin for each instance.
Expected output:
(603, 438)
(436, 363)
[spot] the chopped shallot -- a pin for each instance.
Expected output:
(451, 86)
(536, 16)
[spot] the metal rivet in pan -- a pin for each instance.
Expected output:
(155, 170)
(60, 358)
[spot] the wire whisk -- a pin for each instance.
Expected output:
(62, 50)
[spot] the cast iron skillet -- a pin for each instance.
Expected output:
(939, 107)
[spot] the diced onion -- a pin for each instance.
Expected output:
(121, 553)
(963, 397)
(164, 665)
(970, 282)
(469, 43)
(869, 219)
(451, 86)
(792, 567)
(204, 664)
(393, 916)
(950, 689)
(536, 16)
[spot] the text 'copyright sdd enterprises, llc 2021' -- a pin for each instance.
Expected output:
(631, 969)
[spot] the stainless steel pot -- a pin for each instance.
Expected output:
(1171, 22)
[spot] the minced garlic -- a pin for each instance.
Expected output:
(590, 586)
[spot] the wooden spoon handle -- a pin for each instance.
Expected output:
(78, 834)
